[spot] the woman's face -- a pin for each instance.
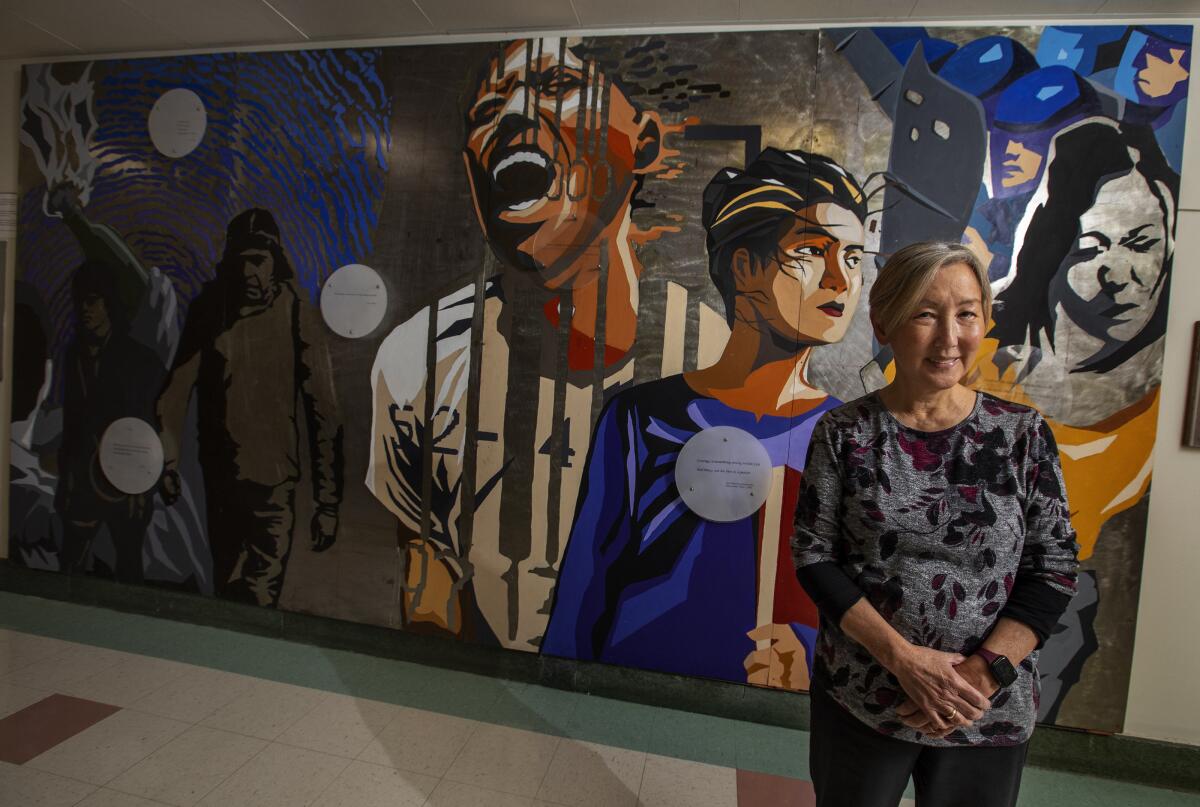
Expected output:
(937, 343)
(1112, 273)
(816, 279)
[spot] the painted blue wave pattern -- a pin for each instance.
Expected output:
(303, 134)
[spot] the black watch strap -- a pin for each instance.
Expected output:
(1002, 669)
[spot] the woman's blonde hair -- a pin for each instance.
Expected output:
(907, 275)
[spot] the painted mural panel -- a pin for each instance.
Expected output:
(593, 249)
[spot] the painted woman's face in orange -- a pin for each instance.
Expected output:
(816, 280)
(552, 153)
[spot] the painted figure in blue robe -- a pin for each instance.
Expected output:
(645, 582)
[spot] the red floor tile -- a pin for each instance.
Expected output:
(45, 724)
(766, 790)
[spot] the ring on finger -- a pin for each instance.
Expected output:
(953, 713)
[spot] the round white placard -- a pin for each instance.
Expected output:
(131, 455)
(353, 301)
(723, 474)
(177, 122)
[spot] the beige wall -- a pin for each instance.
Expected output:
(1166, 656)
(1166, 664)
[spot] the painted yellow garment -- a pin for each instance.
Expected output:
(1106, 466)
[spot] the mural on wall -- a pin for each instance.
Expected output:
(785, 246)
(593, 249)
(555, 154)
(247, 400)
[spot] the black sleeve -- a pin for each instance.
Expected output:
(831, 589)
(1037, 605)
(818, 523)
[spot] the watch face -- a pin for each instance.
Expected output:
(1002, 671)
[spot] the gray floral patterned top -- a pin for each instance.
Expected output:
(936, 530)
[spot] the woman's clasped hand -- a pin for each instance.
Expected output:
(939, 699)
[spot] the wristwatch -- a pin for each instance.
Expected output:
(1001, 667)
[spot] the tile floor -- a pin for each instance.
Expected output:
(104, 709)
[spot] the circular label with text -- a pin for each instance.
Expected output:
(723, 474)
(131, 455)
(177, 122)
(353, 301)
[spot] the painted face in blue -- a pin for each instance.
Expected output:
(1162, 72)
(1025, 118)
(1017, 160)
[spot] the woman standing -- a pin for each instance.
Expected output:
(932, 533)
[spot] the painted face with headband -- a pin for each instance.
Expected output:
(785, 243)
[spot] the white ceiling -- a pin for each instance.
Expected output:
(53, 28)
